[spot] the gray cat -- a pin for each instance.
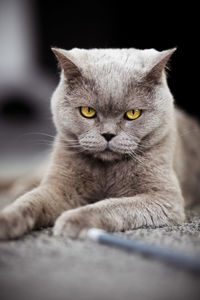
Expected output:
(123, 158)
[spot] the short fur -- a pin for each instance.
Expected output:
(144, 176)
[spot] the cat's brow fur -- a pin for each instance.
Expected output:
(147, 172)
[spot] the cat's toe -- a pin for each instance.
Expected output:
(12, 225)
(71, 224)
(8, 227)
(4, 228)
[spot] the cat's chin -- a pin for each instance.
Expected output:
(107, 155)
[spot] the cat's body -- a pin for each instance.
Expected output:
(187, 157)
(134, 163)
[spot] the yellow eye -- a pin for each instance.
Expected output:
(87, 112)
(133, 114)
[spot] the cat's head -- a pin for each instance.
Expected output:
(111, 102)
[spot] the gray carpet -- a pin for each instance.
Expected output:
(40, 266)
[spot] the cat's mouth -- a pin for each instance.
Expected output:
(108, 150)
(108, 154)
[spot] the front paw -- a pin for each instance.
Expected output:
(75, 223)
(13, 224)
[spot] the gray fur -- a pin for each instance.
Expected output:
(140, 177)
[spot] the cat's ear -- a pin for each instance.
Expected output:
(158, 65)
(71, 71)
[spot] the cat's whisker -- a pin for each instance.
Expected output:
(38, 133)
(68, 140)
(145, 147)
(50, 136)
(135, 156)
(40, 143)
(72, 146)
(51, 143)
(139, 151)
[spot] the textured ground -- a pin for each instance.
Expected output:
(40, 266)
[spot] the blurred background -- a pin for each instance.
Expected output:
(28, 68)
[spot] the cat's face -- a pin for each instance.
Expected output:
(110, 103)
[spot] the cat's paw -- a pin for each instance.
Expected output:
(13, 224)
(75, 223)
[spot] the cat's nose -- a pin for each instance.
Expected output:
(108, 136)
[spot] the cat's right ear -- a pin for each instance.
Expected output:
(71, 71)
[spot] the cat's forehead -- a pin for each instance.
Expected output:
(112, 62)
(112, 73)
(120, 56)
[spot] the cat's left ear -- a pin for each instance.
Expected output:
(71, 71)
(154, 74)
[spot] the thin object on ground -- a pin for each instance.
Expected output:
(174, 257)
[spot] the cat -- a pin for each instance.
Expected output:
(124, 156)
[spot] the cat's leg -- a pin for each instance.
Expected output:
(120, 214)
(39, 207)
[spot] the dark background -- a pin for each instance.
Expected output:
(100, 24)
(126, 24)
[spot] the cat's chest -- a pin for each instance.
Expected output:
(112, 181)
